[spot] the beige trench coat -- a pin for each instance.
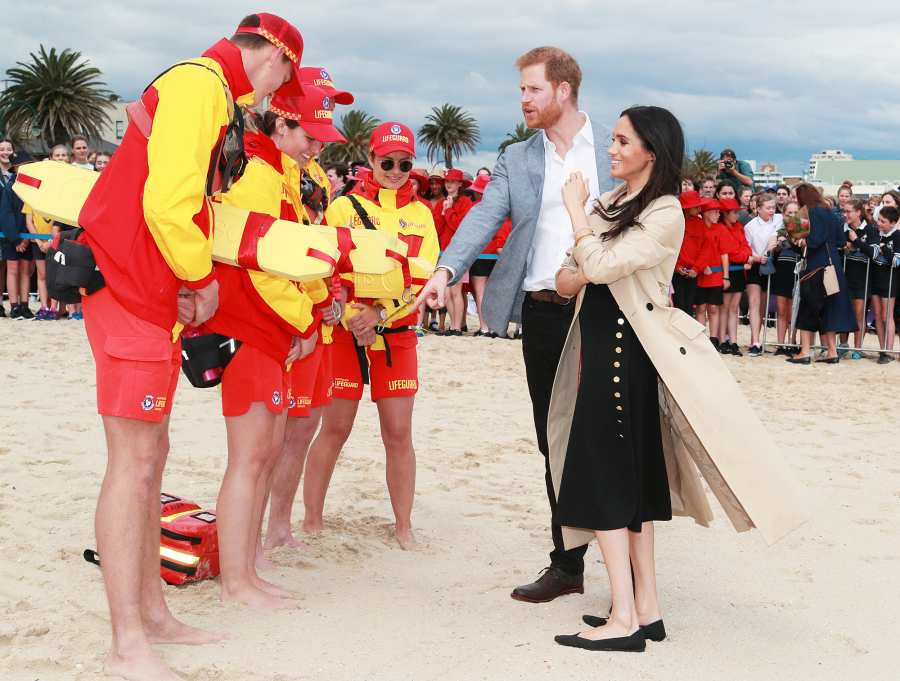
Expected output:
(708, 427)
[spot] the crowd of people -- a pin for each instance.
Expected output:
(737, 246)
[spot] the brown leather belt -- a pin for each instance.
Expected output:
(548, 296)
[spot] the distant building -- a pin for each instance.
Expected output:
(868, 177)
(111, 134)
(768, 175)
(827, 155)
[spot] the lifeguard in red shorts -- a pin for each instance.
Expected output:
(149, 223)
(312, 378)
(276, 322)
(379, 338)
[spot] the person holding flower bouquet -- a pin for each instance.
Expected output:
(821, 310)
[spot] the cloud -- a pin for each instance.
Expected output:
(774, 80)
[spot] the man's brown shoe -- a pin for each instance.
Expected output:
(552, 584)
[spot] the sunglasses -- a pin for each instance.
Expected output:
(405, 165)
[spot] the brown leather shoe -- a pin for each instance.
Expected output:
(551, 584)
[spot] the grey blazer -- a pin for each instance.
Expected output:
(514, 191)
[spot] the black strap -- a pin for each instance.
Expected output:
(91, 556)
(384, 333)
(363, 215)
(363, 361)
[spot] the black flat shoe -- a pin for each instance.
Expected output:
(829, 360)
(636, 643)
(655, 631)
(799, 360)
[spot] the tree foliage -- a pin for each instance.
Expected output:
(449, 131)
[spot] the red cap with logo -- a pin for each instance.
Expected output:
(316, 75)
(390, 137)
(285, 37)
(313, 110)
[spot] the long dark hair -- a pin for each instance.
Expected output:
(809, 197)
(660, 133)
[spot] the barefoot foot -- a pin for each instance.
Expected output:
(312, 526)
(146, 666)
(172, 631)
(283, 538)
(269, 588)
(256, 598)
(405, 538)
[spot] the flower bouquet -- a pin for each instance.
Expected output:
(797, 226)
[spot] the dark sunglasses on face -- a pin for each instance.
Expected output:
(405, 165)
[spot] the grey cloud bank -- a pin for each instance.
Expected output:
(775, 81)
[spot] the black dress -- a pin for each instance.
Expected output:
(615, 471)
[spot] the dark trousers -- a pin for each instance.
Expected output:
(544, 330)
(683, 294)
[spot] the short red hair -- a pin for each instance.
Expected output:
(559, 66)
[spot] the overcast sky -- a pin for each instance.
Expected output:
(775, 80)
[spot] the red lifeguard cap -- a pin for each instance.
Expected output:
(316, 75)
(390, 137)
(313, 110)
(285, 37)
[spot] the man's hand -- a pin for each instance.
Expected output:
(366, 318)
(433, 293)
(187, 305)
(294, 353)
(206, 301)
(365, 338)
(333, 313)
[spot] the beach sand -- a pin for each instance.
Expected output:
(821, 604)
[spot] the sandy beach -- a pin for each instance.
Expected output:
(821, 604)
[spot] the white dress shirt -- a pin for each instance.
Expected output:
(759, 233)
(553, 234)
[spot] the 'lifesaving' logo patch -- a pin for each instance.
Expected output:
(276, 398)
(147, 403)
(324, 74)
(395, 129)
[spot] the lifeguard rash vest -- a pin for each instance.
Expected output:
(148, 220)
(397, 212)
(256, 307)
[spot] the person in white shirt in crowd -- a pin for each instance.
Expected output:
(761, 233)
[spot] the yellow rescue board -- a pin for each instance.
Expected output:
(59, 191)
(390, 284)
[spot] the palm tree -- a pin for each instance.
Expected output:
(702, 163)
(448, 132)
(520, 134)
(357, 126)
(55, 96)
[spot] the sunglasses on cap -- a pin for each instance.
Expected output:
(405, 165)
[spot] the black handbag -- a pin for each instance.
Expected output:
(71, 269)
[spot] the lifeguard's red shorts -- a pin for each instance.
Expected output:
(137, 363)
(401, 379)
(253, 376)
(310, 382)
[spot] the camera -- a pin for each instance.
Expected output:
(727, 164)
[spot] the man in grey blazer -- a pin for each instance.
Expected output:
(527, 186)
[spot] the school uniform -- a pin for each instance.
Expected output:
(709, 286)
(685, 288)
(857, 262)
(885, 276)
(759, 233)
(738, 254)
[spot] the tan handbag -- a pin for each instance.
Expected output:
(829, 276)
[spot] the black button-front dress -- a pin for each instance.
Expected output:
(615, 471)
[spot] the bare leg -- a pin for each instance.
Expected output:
(337, 422)
(830, 340)
(806, 341)
(859, 308)
(395, 416)
(889, 330)
(878, 306)
(123, 539)
(299, 433)
(700, 315)
(623, 620)
(249, 447)
(643, 561)
(456, 307)
(713, 312)
(25, 270)
(42, 283)
(478, 285)
(783, 318)
(12, 281)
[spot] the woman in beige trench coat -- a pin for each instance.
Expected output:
(729, 447)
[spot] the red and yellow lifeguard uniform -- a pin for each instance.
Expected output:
(149, 223)
(261, 310)
(312, 379)
(392, 362)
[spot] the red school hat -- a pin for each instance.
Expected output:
(390, 137)
(313, 110)
(480, 183)
(456, 175)
(316, 75)
(421, 177)
(710, 204)
(729, 204)
(690, 199)
(285, 37)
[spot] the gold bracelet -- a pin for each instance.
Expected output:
(585, 235)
